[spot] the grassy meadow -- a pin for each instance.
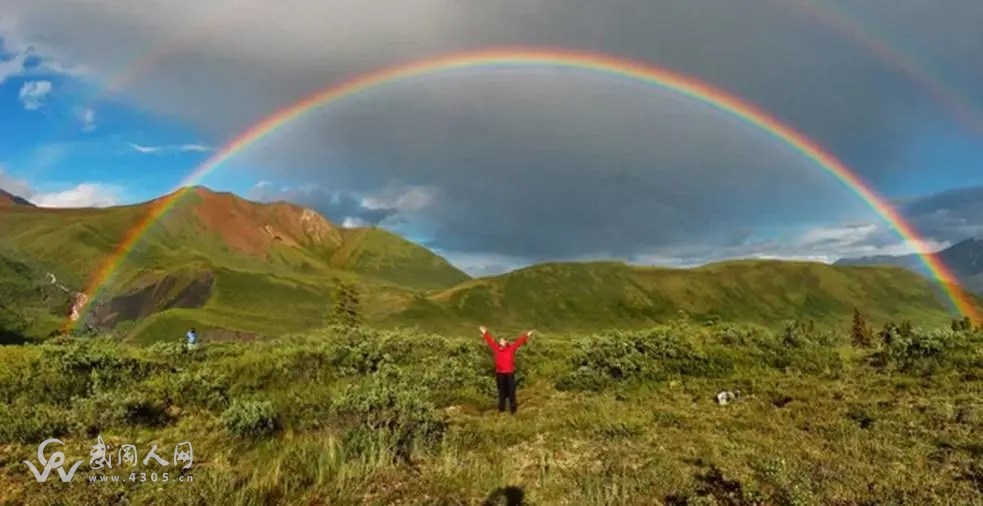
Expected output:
(362, 416)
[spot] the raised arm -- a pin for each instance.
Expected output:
(488, 337)
(523, 338)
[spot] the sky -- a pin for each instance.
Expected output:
(106, 103)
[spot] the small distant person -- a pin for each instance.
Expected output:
(192, 338)
(504, 353)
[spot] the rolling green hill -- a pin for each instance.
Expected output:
(377, 253)
(239, 269)
(607, 294)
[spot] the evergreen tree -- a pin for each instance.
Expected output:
(346, 306)
(964, 324)
(860, 333)
(353, 313)
(906, 331)
(888, 333)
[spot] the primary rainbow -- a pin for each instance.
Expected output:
(550, 58)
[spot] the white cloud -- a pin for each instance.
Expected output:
(353, 222)
(825, 244)
(88, 118)
(33, 93)
(82, 195)
(484, 264)
(144, 149)
(13, 66)
(79, 195)
(402, 199)
(47, 66)
(173, 148)
(907, 247)
(839, 234)
(194, 147)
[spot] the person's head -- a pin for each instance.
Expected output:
(502, 342)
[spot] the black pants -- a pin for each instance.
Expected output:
(506, 389)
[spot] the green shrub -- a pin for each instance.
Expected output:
(137, 408)
(386, 404)
(806, 358)
(926, 352)
(32, 423)
(364, 351)
(175, 353)
(95, 367)
(654, 355)
(203, 388)
(462, 372)
(250, 418)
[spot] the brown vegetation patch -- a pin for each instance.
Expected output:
(152, 298)
(254, 228)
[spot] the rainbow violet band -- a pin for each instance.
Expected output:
(540, 58)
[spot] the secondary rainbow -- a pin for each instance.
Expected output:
(543, 58)
(840, 20)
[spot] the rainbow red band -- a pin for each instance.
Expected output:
(548, 58)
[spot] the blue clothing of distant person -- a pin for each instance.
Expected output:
(192, 337)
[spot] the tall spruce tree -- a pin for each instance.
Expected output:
(346, 305)
(860, 332)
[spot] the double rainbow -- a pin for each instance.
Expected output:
(543, 58)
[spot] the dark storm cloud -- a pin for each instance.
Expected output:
(521, 172)
(540, 164)
(951, 216)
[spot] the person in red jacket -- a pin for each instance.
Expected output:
(504, 353)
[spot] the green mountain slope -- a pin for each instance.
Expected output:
(594, 295)
(223, 230)
(222, 261)
(377, 253)
(235, 268)
(32, 302)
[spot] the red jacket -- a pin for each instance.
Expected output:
(504, 355)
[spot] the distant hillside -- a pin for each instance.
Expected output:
(964, 259)
(575, 295)
(9, 199)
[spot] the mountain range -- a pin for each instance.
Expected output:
(964, 260)
(233, 267)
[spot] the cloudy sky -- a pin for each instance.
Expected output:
(107, 102)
